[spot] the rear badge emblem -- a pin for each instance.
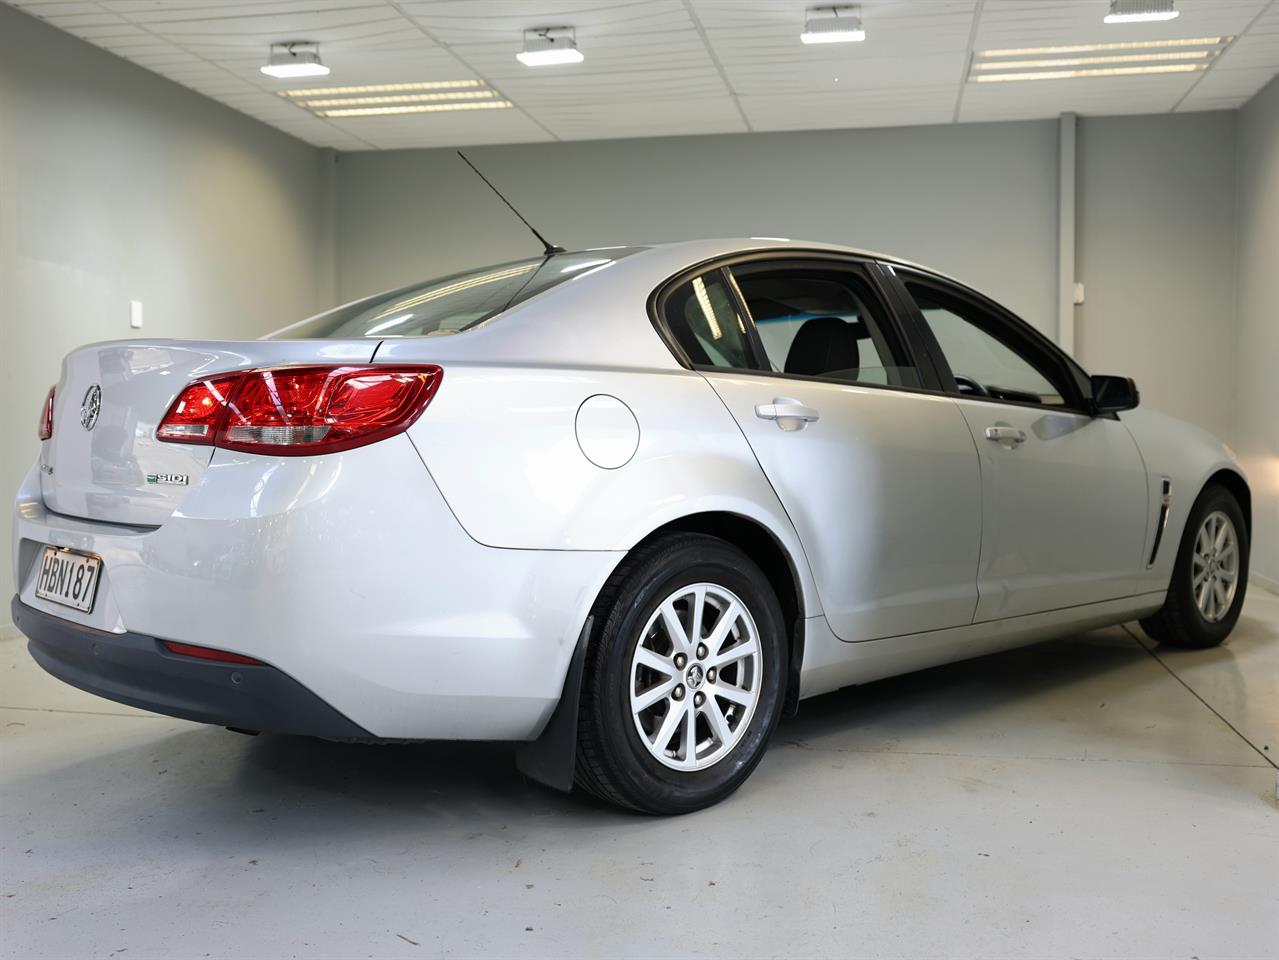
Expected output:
(90, 407)
(170, 479)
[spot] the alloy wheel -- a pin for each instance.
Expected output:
(695, 676)
(1214, 566)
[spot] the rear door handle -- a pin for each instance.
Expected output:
(1006, 435)
(787, 409)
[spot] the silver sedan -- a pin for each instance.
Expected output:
(626, 506)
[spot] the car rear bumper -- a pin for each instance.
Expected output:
(347, 574)
(135, 669)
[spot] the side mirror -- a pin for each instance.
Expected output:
(1112, 394)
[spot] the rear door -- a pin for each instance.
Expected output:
(878, 475)
(1064, 493)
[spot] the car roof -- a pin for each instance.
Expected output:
(693, 252)
(599, 317)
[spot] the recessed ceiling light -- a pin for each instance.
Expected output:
(1087, 61)
(1140, 11)
(1090, 72)
(398, 98)
(289, 60)
(381, 88)
(547, 46)
(414, 108)
(1073, 61)
(833, 25)
(1093, 47)
(391, 99)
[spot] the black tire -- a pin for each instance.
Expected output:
(612, 762)
(1179, 622)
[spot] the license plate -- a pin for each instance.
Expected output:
(68, 578)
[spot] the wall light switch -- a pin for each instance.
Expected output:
(1079, 293)
(135, 314)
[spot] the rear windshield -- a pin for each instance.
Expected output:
(449, 304)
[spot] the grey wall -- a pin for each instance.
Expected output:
(976, 201)
(1155, 234)
(118, 185)
(1156, 254)
(1256, 360)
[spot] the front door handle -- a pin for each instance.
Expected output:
(1006, 435)
(789, 413)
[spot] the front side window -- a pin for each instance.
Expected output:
(705, 322)
(823, 320)
(982, 363)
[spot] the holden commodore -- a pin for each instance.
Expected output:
(624, 506)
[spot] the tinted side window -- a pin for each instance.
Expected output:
(702, 317)
(823, 321)
(983, 362)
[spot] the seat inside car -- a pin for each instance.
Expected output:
(825, 345)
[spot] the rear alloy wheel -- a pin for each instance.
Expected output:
(683, 679)
(1209, 578)
(695, 677)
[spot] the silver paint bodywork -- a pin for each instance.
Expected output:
(913, 539)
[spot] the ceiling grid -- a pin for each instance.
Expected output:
(665, 67)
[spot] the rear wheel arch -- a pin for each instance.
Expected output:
(551, 758)
(761, 545)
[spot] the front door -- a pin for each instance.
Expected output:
(1063, 493)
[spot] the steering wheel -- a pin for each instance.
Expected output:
(968, 385)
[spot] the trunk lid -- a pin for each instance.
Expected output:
(104, 462)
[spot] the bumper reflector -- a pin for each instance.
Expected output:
(208, 653)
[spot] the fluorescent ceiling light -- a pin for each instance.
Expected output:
(1075, 61)
(547, 46)
(287, 61)
(1140, 11)
(1092, 72)
(398, 98)
(833, 25)
(381, 88)
(414, 108)
(1085, 61)
(1094, 47)
(392, 99)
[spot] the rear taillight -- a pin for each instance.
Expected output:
(195, 415)
(46, 416)
(297, 411)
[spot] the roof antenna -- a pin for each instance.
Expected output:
(547, 247)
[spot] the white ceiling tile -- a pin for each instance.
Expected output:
(657, 67)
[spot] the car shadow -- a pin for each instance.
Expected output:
(210, 787)
(957, 691)
(441, 776)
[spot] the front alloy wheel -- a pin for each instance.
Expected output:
(1215, 566)
(682, 683)
(1209, 575)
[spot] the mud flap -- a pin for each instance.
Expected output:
(551, 759)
